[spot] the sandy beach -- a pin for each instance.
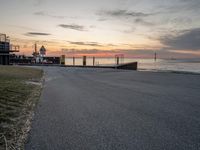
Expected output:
(85, 108)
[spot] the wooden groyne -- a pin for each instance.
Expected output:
(126, 66)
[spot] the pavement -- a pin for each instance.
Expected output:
(108, 109)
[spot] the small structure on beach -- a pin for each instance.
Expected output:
(39, 56)
(42, 51)
(6, 49)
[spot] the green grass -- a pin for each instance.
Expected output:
(24, 73)
(17, 100)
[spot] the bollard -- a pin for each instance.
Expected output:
(73, 61)
(117, 60)
(84, 60)
(155, 56)
(93, 61)
(62, 60)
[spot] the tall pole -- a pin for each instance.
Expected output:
(35, 47)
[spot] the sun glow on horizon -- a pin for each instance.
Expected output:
(135, 28)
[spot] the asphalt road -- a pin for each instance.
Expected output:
(107, 109)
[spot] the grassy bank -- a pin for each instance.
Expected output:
(20, 89)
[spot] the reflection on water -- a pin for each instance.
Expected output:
(187, 65)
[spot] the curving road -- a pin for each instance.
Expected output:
(107, 109)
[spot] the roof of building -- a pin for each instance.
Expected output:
(43, 49)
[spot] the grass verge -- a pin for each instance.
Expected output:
(18, 96)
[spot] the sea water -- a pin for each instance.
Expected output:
(179, 65)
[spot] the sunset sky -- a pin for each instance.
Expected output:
(136, 28)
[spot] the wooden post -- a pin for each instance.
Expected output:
(117, 60)
(84, 60)
(93, 61)
(155, 56)
(62, 60)
(73, 61)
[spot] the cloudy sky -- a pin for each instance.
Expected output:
(136, 28)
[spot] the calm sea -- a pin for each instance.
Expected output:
(183, 65)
